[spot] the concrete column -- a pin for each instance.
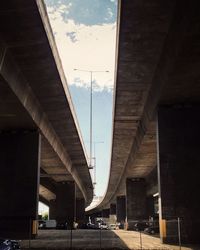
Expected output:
(113, 217)
(52, 210)
(135, 201)
(150, 206)
(80, 210)
(65, 203)
(121, 209)
(178, 172)
(105, 213)
(19, 183)
(112, 208)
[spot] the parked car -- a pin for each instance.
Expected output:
(140, 226)
(92, 226)
(41, 224)
(103, 226)
(51, 223)
(6, 244)
(152, 230)
(47, 224)
(121, 225)
(112, 227)
(62, 225)
(83, 226)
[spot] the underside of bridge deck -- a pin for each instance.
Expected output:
(34, 99)
(157, 69)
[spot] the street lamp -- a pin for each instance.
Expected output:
(91, 72)
(94, 177)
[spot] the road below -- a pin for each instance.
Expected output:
(96, 239)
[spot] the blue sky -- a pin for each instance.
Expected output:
(85, 34)
(88, 12)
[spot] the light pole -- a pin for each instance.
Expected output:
(94, 181)
(91, 102)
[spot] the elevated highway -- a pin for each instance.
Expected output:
(39, 132)
(155, 143)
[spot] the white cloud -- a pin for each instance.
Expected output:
(110, 12)
(92, 48)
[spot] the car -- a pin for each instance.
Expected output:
(7, 244)
(62, 225)
(41, 224)
(92, 226)
(83, 226)
(50, 224)
(46, 224)
(152, 230)
(103, 226)
(121, 225)
(112, 227)
(140, 226)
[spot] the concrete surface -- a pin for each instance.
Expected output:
(34, 94)
(157, 64)
(90, 239)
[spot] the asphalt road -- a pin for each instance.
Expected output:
(96, 239)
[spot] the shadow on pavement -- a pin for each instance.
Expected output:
(96, 239)
(75, 239)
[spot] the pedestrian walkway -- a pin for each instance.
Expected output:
(134, 240)
(96, 239)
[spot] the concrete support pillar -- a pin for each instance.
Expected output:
(150, 206)
(112, 208)
(19, 183)
(121, 209)
(80, 210)
(178, 172)
(52, 210)
(106, 215)
(65, 203)
(113, 217)
(135, 201)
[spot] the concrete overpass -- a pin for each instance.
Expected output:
(156, 117)
(39, 132)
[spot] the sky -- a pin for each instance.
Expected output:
(85, 34)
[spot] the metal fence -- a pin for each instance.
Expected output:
(136, 237)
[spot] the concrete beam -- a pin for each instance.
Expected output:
(140, 82)
(14, 78)
(33, 51)
(46, 193)
(43, 200)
